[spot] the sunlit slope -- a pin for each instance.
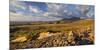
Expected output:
(79, 24)
(80, 32)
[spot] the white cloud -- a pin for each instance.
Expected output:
(15, 14)
(62, 10)
(56, 9)
(83, 9)
(54, 12)
(17, 4)
(46, 14)
(21, 17)
(34, 10)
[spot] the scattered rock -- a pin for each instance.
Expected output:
(19, 39)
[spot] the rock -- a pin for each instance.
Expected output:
(19, 39)
(43, 35)
(91, 36)
(70, 33)
(70, 36)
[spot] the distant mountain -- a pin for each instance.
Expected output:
(71, 19)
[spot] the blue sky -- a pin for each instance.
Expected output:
(41, 11)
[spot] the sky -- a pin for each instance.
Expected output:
(43, 11)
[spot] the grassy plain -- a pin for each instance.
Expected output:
(80, 32)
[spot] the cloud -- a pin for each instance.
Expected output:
(83, 9)
(18, 7)
(21, 17)
(90, 13)
(46, 14)
(56, 9)
(21, 11)
(69, 10)
(16, 4)
(34, 9)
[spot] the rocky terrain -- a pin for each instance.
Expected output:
(80, 35)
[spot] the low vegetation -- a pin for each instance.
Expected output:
(80, 32)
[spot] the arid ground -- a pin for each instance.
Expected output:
(56, 34)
